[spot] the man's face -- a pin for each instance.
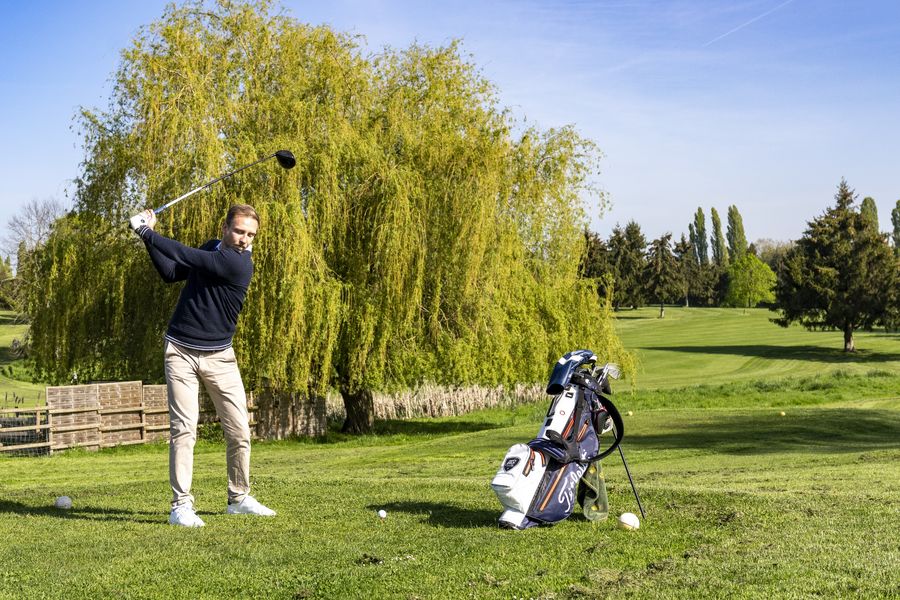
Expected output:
(239, 235)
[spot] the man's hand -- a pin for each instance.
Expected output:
(146, 217)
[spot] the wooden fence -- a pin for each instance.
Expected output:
(94, 416)
(25, 430)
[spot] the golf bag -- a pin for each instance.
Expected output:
(539, 483)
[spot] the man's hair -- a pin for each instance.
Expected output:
(241, 210)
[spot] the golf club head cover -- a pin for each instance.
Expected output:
(565, 366)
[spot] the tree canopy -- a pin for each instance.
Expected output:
(895, 231)
(698, 238)
(737, 239)
(841, 273)
(719, 246)
(418, 239)
(626, 248)
(661, 273)
(750, 281)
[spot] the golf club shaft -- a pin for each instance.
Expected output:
(206, 185)
(631, 481)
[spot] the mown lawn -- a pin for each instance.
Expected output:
(742, 501)
(723, 345)
(16, 388)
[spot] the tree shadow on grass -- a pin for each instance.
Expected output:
(78, 512)
(820, 431)
(810, 353)
(419, 427)
(425, 427)
(443, 515)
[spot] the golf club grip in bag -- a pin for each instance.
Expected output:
(537, 482)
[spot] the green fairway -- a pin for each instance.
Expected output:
(742, 500)
(720, 345)
(14, 378)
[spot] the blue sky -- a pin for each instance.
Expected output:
(765, 104)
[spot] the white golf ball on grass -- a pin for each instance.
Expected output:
(629, 521)
(382, 513)
(63, 502)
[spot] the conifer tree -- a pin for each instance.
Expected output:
(627, 250)
(661, 272)
(840, 274)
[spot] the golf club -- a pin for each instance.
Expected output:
(612, 370)
(631, 481)
(285, 159)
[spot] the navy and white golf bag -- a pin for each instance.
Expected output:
(538, 482)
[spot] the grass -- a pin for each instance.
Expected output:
(741, 501)
(15, 377)
(721, 345)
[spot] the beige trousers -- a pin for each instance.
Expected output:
(218, 371)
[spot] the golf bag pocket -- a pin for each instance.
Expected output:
(519, 477)
(569, 426)
(557, 494)
(560, 421)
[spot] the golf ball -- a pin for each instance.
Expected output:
(629, 521)
(630, 413)
(382, 513)
(64, 502)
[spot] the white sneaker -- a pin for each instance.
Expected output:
(250, 506)
(185, 516)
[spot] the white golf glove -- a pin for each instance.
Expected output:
(136, 221)
(141, 219)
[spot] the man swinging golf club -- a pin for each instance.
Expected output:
(198, 345)
(198, 349)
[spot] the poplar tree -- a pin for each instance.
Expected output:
(688, 268)
(895, 235)
(417, 240)
(719, 247)
(737, 240)
(698, 237)
(869, 211)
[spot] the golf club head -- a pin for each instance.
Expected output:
(286, 159)
(612, 369)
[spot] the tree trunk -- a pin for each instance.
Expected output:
(848, 339)
(662, 310)
(360, 409)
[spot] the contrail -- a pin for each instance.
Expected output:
(750, 22)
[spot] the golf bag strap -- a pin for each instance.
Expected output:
(618, 428)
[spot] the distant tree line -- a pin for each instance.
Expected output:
(842, 274)
(700, 269)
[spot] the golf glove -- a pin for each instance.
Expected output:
(137, 221)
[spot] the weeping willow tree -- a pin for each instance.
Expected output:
(417, 240)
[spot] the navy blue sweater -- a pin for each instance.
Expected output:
(217, 281)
